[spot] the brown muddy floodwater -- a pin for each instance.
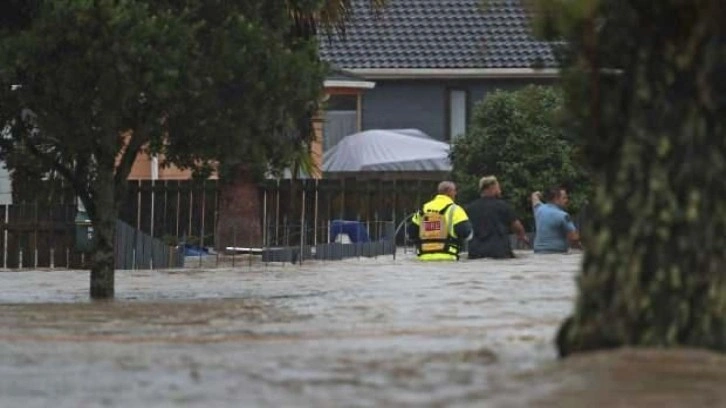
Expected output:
(360, 333)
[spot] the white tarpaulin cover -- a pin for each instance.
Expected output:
(388, 150)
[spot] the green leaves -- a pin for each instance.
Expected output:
(213, 80)
(256, 87)
(520, 138)
(556, 19)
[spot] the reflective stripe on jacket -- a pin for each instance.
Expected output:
(454, 214)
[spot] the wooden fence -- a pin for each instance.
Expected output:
(38, 236)
(293, 213)
(173, 211)
(43, 236)
(186, 211)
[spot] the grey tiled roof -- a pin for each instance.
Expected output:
(438, 34)
(337, 74)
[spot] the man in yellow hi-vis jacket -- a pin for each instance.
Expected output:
(441, 227)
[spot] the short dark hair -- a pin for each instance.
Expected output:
(553, 192)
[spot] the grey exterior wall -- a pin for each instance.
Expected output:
(423, 104)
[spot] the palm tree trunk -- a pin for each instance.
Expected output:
(104, 223)
(240, 210)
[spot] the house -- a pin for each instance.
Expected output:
(418, 64)
(342, 106)
(432, 61)
(342, 99)
(146, 167)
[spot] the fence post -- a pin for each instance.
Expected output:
(357, 233)
(178, 209)
(138, 205)
(5, 237)
(393, 240)
(201, 227)
(52, 237)
(234, 243)
(378, 233)
(286, 234)
(277, 214)
(153, 204)
(302, 224)
(191, 207)
(164, 213)
(133, 251)
(217, 246)
(35, 236)
(315, 215)
(405, 233)
(264, 218)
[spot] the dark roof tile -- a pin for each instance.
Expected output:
(438, 34)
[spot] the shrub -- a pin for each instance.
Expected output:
(519, 137)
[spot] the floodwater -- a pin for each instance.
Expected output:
(368, 332)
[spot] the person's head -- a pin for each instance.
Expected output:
(489, 187)
(558, 196)
(447, 188)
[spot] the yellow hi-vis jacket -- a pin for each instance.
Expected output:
(452, 215)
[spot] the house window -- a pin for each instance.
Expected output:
(457, 113)
(342, 103)
(341, 119)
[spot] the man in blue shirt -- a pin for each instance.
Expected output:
(555, 231)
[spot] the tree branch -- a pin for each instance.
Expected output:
(79, 185)
(138, 139)
(82, 173)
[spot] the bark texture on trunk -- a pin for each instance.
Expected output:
(654, 272)
(103, 218)
(240, 209)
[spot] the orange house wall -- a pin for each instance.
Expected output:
(141, 170)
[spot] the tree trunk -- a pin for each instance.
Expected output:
(655, 257)
(240, 210)
(103, 217)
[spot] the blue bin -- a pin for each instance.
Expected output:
(356, 230)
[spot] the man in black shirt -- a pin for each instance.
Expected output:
(492, 219)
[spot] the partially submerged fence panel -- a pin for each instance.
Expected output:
(137, 250)
(378, 242)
